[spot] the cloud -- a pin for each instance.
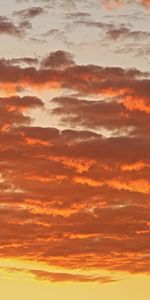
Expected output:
(125, 33)
(57, 277)
(145, 2)
(64, 277)
(95, 24)
(29, 13)
(58, 60)
(76, 193)
(77, 15)
(111, 4)
(12, 108)
(59, 70)
(9, 28)
(41, 195)
(29, 61)
(112, 115)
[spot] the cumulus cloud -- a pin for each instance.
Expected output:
(58, 60)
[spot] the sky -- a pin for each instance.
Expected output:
(75, 149)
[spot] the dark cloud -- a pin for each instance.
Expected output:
(125, 33)
(29, 13)
(8, 27)
(59, 70)
(112, 115)
(95, 24)
(23, 60)
(77, 15)
(58, 60)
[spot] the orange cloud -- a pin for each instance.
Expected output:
(88, 181)
(145, 3)
(64, 277)
(82, 194)
(111, 4)
(84, 79)
(135, 166)
(56, 277)
(140, 185)
(137, 103)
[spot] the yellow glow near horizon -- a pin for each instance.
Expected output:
(20, 285)
(134, 288)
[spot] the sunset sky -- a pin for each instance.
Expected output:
(75, 149)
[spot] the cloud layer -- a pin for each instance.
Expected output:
(79, 194)
(74, 139)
